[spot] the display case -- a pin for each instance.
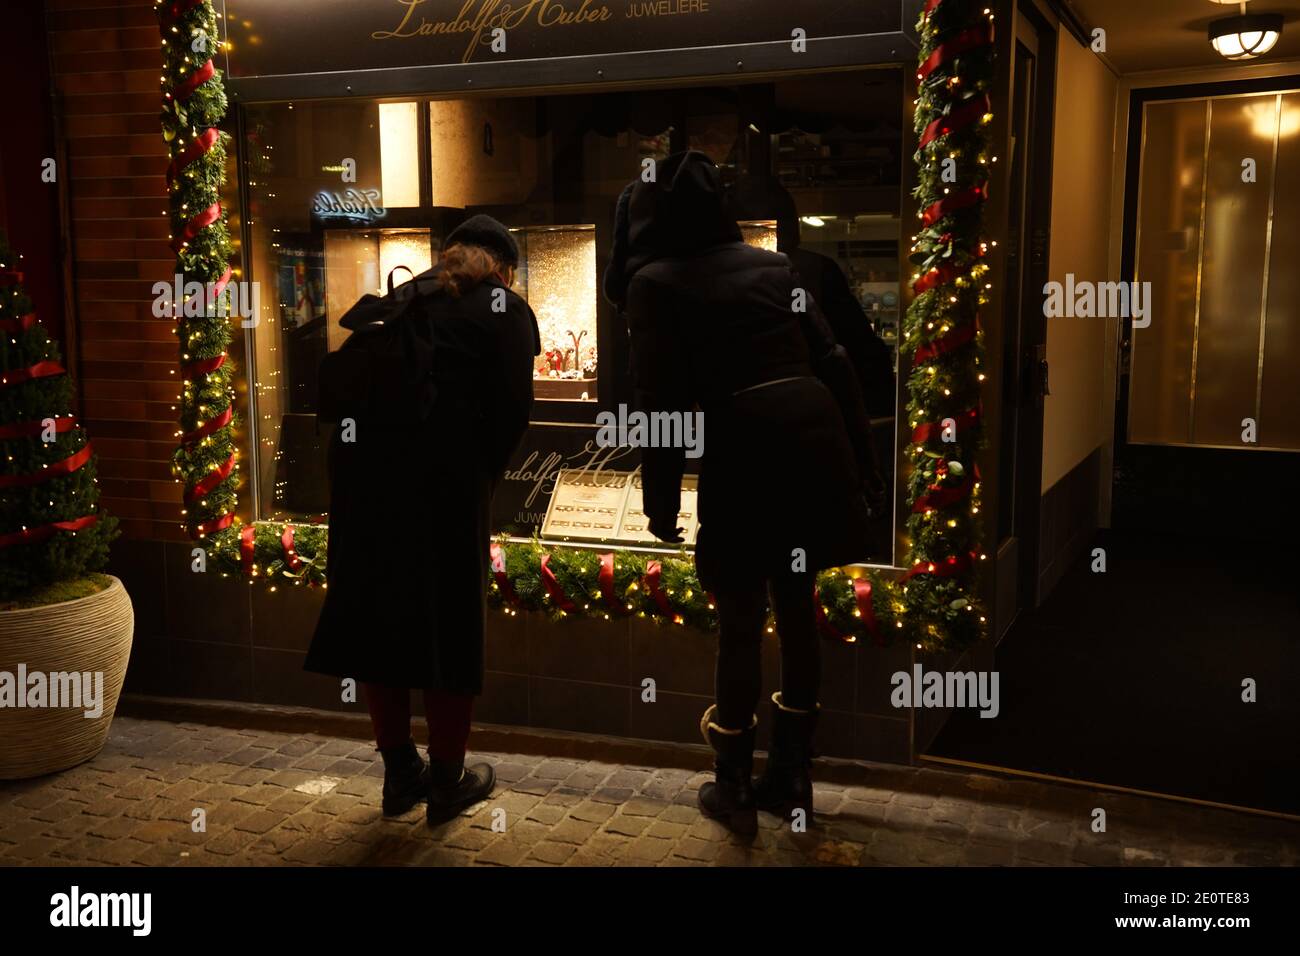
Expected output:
(557, 275)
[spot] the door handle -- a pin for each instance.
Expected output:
(1043, 371)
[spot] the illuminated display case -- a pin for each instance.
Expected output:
(557, 275)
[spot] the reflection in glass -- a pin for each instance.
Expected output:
(1214, 240)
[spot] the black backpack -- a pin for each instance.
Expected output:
(385, 368)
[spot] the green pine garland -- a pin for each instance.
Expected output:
(943, 490)
(681, 599)
(190, 40)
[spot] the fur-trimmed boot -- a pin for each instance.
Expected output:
(729, 798)
(453, 787)
(406, 778)
(786, 784)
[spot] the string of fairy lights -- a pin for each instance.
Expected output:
(205, 461)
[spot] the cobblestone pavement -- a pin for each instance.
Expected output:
(295, 799)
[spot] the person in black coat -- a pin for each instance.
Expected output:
(788, 478)
(409, 531)
(757, 197)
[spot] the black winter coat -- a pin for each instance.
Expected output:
(409, 506)
(784, 465)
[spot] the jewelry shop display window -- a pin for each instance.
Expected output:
(337, 195)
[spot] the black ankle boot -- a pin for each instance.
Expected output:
(729, 798)
(786, 784)
(406, 778)
(453, 787)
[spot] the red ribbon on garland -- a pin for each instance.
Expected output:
(197, 147)
(217, 524)
(28, 429)
(286, 543)
(39, 370)
(866, 602)
(553, 587)
(20, 324)
(947, 568)
(951, 203)
(10, 277)
(945, 343)
(209, 481)
(41, 532)
(208, 427)
(219, 286)
(247, 535)
(963, 42)
(936, 277)
(203, 366)
(653, 571)
(498, 557)
(824, 623)
(65, 467)
(959, 118)
(197, 223)
(186, 87)
(921, 433)
(606, 577)
(943, 496)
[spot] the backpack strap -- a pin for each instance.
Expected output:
(390, 276)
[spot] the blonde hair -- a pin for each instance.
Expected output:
(465, 266)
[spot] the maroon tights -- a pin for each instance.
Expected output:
(448, 716)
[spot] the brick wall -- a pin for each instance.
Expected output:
(106, 63)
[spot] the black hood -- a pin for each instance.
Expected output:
(682, 212)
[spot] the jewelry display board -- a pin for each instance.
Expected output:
(606, 506)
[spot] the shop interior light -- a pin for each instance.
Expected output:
(815, 221)
(1246, 35)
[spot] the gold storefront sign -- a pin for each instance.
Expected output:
(273, 38)
(479, 18)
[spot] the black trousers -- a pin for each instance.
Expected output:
(741, 618)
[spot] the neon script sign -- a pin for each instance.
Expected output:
(359, 205)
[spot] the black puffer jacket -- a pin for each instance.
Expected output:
(710, 318)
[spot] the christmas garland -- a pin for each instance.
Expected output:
(193, 103)
(576, 582)
(941, 330)
(934, 604)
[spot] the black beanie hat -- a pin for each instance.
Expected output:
(486, 232)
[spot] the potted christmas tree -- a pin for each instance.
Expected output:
(65, 630)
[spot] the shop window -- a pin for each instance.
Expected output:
(812, 168)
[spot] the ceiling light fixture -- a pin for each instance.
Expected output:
(1246, 35)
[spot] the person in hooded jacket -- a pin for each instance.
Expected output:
(788, 479)
(409, 530)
